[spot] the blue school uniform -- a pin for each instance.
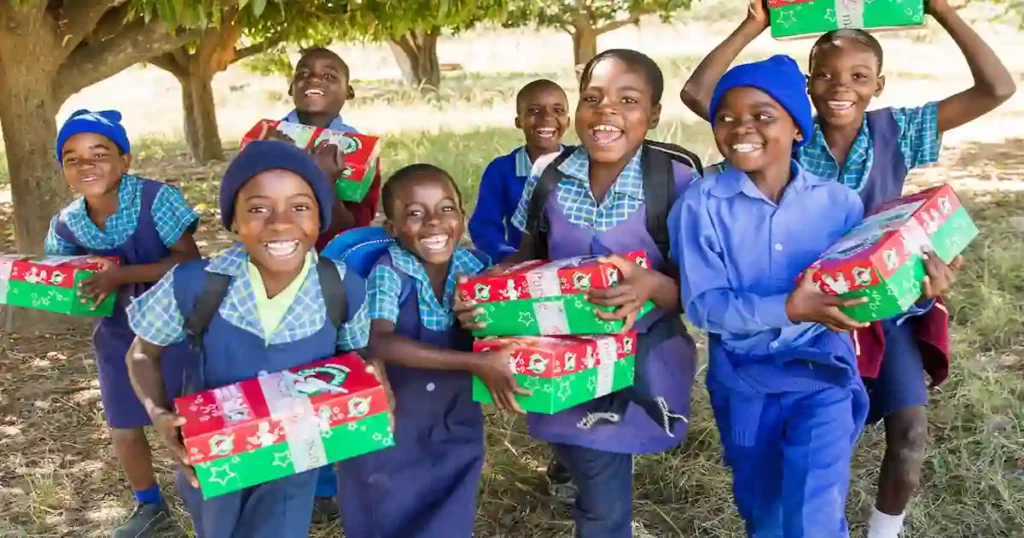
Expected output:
(236, 348)
(426, 485)
(890, 143)
(150, 217)
(501, 188)
(787, 399)
(598, 453)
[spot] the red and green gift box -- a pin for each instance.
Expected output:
(51, 283)
(881, 257)
(285, 423)
(360, 151)
(564, 371)
(545, 298)
(793, 18)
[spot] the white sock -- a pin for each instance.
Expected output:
(885, 526)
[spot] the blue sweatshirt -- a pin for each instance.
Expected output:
(501, 187)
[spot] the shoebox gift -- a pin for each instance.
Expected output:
(360, 151)
(51, 283)
(881, 257)
(545, 298)
(794, 18)
(564, 371)
(284, 423)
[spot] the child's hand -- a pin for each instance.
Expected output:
(376, 367)
(940, 276)
(103, 283)
(330, 159)
(168, 425)
(270, 132)
(636, 286)
(466, 311)
(933, 7)
(808, 303)
(495, 370)
(757, 13)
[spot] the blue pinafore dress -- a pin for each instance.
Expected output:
(426, 485)
(279, 509)
(112, 335)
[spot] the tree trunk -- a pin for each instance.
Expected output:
(201, 132)
(416, 54)
(584, 46)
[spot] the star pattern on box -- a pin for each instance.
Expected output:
(786, 17)
(484, 317)
(531, 383)
(592, 383)
(228, 474)
(564, 389)
(830, 15)
(526, 318)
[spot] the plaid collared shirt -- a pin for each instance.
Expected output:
(156, 317)
(384, 287)
(573, 193)
(919, 141)
(171, 215)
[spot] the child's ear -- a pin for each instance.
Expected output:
(807, 82)
(291, 89)
(126, 161)
(389, 227)
(799, 136)
(655, 116)
(881, 85)
(350, 94)
(519, 124)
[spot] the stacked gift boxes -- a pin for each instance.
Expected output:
(881, 257)
(51, 283)
(360, 153)
(794, 18)
(564, 353)
(280, 424)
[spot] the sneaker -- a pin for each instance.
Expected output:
(640, 532)
(325, 510)
(561, 487)
(145, 521)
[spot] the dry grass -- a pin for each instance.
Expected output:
(59, 477)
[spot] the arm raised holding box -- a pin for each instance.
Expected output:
(636, 286)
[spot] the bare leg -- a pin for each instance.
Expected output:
(906, 435)
(135, 457)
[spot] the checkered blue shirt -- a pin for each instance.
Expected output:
(156, 316)
(919, 141)
(171, 214)
(384, 287)
(573, 193)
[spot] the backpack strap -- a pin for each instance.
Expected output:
(535, 221)
(207, 304)
(333, 291)
(660, 188)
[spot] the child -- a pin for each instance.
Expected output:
(426, 485)
(872, 152)
(319, 88)
(542, 113)
(148, 226)
(599, 206)
(784, 389)
(274, 312)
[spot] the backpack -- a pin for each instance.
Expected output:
(659, 194)
(216, 288)
(360, 248)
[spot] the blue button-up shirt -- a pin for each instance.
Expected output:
(739, 254)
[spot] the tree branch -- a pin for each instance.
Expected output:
(78, 19)
(170, 62)
(136, 42)
(258, 48)
(615, 25)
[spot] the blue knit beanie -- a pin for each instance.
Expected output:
(778, 76)
(103, 122)
(262, 155)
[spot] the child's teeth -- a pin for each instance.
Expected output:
(840, 105)
(435, 242)
(282, 248)
(745, 148)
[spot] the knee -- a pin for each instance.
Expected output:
(907, 447)
(128, 436)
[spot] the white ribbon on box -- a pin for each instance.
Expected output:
(6, 266)
(607, 352)
(300, 422)
(850, 13)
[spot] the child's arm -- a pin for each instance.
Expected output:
(384, 289)
(636, 286)
(158, 322)
(696, 93)
(993, 83)
(487, 225)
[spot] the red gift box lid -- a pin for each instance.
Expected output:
(551, 356)
(55, 271)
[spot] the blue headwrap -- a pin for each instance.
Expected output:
(104, 122)
(780, 78)
(262, 155)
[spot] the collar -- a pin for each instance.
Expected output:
(337, 124)
(629, 183)
(523, 164)
(407, 262)
(127, 188)
(732, 181)
(234, 261)
(818, 136)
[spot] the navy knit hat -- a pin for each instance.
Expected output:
(779, 77)
(262, 155)
(103, 122)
